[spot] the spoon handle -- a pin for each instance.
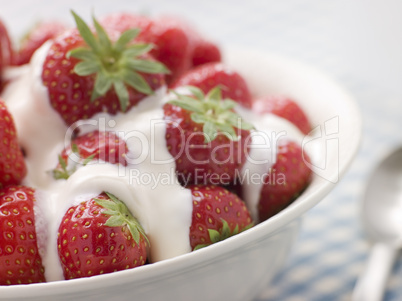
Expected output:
(371, 284)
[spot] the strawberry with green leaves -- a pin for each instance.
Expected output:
(285, 180)
(206, 137)
(209, 75)
(87, 73)
(93, 146)
(217, 215)
(100, 236)
(20, 262)
(284, 107)
(12, 163)
(173, 45)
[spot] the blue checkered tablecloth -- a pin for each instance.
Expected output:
(359, 44)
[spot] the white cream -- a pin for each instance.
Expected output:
(148, 185)
(39, 128)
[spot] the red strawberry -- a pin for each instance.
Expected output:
(6, 46)
(12, 164)
(285, 180)
(283, 107)
(208, 76)
(104, 146)
(20, 262)
(205, 52)
(173, 47)
(100, 236)
(86, 74)
(122, 22)
(6, 51)
(207, 139)
(199, 51)
(172, 44)
(217, 215)
(38, 35)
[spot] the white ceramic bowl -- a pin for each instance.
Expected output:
(237, 268)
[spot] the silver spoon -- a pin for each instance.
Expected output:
(382, 221)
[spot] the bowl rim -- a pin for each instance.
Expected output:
(166, 268)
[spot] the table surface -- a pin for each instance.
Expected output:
(359, 44)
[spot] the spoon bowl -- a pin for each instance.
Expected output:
(382, 206)
(382, 220)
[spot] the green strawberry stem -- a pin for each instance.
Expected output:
(216, 236)
(116, 64)
(121, 216)
(66, 170)
(216, 114)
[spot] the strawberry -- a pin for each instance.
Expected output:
(88, 73)
(207, 139)
(173, 46)
(104, 146)
(207, 76)
(285, 180)
(100, 236)
(20, 262)
(6, 46)
(284, 107)
(12, 164)
(6, 52)
(35, 38)
(122, 22)
(205, 52)
(217, 215)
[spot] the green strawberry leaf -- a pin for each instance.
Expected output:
(62, 163)
(60, 174)
(86, 33)
(217, 115)
(114, 64)
(225, 232)
(215, 94)
(228, 131)
(210, 131)
(200, 246)
(137, 82)
(197, 92)
(66, 170)
(88, 159)
(82, 54)
(199, 118)
(120, 216)
(85, 68)
(122, 93)
(189, 104)
(214, 235)
(126, 37)
(102, 84)
(75, 149)
(228, 104)
(104, 41)
(147, 66)
(137, 50)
